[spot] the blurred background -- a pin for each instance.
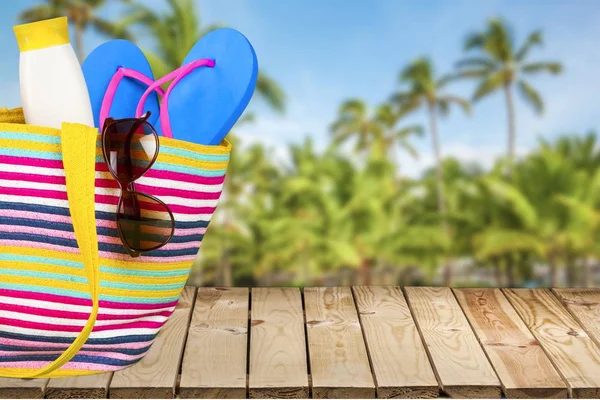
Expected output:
(388, 142)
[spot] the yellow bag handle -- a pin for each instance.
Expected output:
(78, 144)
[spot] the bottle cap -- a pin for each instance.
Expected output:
(42, 34)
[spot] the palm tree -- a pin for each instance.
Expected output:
(175, 31)
(82, 14)
(376, 133)
(425, 90)
(500, 65)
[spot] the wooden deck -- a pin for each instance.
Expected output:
(360, 342)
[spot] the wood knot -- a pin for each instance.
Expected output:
(257, 322)
(202, 325)
(367, 312)
(222, 289)
(314, 323)
(236, 331)
(573, 333)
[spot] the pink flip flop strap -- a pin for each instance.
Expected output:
(109, 95)
(176, 76)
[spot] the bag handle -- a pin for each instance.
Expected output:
(78, 143)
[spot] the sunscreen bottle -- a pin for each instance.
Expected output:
(53, 89)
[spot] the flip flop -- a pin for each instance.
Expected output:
(117, 73)
(202, 104)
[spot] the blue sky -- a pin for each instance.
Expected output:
(323, 52)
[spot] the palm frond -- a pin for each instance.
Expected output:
(493, 82)
(518, 203)
(474, 41)
(479, 62)
(116, 30)
(271, 92)
(40, 12)
(464, 104)
(553, 68)
(534, 39)
(531, 96)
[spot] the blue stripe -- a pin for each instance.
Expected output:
(129, 352)
(33, 137)
(85, 295)
(100, 341)
(45, 155)
(108, 247)
(59, 226)
(100, 215)
(40, 260)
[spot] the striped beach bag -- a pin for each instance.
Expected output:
(72, 301)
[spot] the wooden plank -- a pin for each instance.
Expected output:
(155, 376)
(584, 305)
(214, 363)
(573, 353)
(22, 388)
(458, 360)
(520, 362)
(278, 367)
(79, 387)
(398, 357)
(338, 358)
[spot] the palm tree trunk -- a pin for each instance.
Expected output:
(441, 201)
(79, 41)
(498, 272)
(510, 109)
(510, 273)
(553, 270)
(366, 272)
(586, 280)
(571, 271)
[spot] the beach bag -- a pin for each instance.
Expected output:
(72, 301)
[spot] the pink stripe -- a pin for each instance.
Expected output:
(30, 161)
(38, 231)
(142, 258)
(38, 245)
(77, 328)
(42, 193)
(175, 208)
(17, 176)
(103, 223)
(174, 176)
(113, 355)
(44, 217)
(44, 312)
(41, 343)
(70, 365)
(161, 191)
(20, 294)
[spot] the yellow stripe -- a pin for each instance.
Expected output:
(29, 145)
(108, 262)
(105, 276)
(83, 288)
(40, 130)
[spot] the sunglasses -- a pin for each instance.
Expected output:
(130, 148)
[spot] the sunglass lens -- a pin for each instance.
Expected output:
(131, 145)
(145, 222)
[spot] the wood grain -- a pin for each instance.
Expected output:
(214, 363)
(584, 305)
(22, 388)
(338, 357)
(278, 367)
(398, 358)
(517, 357)
(79, 387)
(458, 360)
(155, 376)
(572, 351)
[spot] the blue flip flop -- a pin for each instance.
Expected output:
(124, 59)
(205, 104)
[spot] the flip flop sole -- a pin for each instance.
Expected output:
(99, 68)
(205, 105)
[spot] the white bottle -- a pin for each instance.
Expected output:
(53, 89)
